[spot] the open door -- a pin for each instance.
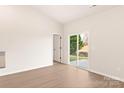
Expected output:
(56, 48)
(2, 59)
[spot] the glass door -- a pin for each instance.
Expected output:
(82, 60)
(73, 50)
(79, 50)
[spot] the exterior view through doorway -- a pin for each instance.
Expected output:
(78, 50)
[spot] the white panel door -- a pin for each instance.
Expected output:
(2, 59)
(56, 48)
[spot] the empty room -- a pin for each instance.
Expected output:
(61, 46)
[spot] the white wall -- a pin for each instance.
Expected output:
(26, 36)
(106, 30)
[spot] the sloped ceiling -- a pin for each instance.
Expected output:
(67, 13)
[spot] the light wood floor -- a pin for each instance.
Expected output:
(57, 76)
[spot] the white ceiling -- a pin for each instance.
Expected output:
(67, 13)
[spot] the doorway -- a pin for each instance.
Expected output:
(56, 48)
(78, 50)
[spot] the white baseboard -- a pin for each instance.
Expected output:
(110, 76)
(103, 74)
(24, 70)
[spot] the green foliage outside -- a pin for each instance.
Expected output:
(81, 44)
(74, 58)
(73, 47)
(73, 44)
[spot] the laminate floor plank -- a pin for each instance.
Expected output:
(58, 76)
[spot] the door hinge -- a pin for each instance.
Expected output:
(60, 47)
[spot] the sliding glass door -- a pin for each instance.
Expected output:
(73, 50)
(79, 50)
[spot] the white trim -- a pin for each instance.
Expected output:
(110, 76)
(25, 70)
(77, 61)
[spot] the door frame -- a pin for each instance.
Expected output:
(60, 46)
(77, 49)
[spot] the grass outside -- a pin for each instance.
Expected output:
(74, 58)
